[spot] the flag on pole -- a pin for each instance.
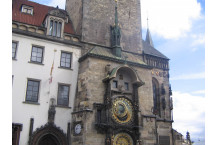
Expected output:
(50, 80)
(52, 67)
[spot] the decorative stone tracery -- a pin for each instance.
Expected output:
(49, 130)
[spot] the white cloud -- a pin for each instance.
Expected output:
(197, 40)
(199, 92)
(200, 75)
(59, 3)
(170, 18)
(189, 114)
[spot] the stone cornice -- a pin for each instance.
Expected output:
(112, 59)
(40, 36)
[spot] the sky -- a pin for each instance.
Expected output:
(178, 28)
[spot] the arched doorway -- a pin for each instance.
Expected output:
(49, 134)
(48, 140)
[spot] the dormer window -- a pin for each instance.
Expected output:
(55, 28)
(27, 9)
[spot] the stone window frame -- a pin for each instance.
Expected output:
(126, 86)
(42, 56)
(156, 96)
(115, 84)
(58, 95)
(27, 9)
(70, 63)
(15, 52)
(58, 20)
(38, 91)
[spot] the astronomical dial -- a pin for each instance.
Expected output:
(122, 110)
(123, 139)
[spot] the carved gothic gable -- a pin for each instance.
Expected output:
(49, 129)
(58, 13)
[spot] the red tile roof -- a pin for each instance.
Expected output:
(39, 13)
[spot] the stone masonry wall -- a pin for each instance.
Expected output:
(74, 9)
(91, 90)
(96, 17)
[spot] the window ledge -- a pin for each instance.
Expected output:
(14, 59)
(65, 68)
(35, 62)
(26, 13)
(124, 91)
(33, 103)
(59, 106)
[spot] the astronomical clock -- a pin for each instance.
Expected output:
(122, 111)
(117, 117)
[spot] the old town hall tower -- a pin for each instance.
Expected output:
(123, 90)
(85, 76)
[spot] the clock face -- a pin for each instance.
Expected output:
(123, 139)
(78, 128)
(122, 111)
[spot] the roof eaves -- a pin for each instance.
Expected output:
(88, 54)
(31, 34)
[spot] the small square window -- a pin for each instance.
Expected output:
(63, 95)
(37, 54)
(14, 50)
(32, 91)
(126, 85)
(27, 9)
(114, 84)
(66, 59)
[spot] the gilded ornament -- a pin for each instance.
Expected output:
(122, 110)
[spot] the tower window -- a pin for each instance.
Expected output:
(156, 97)
(55, 28)
(114, 84)
(121, 77)
(126, 85)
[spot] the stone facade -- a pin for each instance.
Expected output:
(92, 20)
(116, 97)
(142, 77)
(91, 89)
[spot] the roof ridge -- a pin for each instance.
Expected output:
(151, 50)
(37, 3)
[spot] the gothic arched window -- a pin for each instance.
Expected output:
(156, 97)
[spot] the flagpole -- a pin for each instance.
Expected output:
(52, 67)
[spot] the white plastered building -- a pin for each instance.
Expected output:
(45, 55)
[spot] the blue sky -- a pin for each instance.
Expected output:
(178, 29)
